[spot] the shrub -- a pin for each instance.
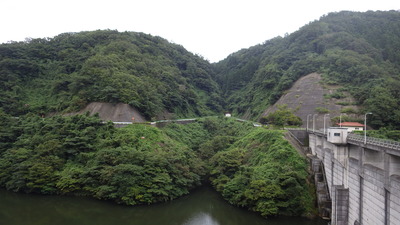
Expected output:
(349, 111)
(321, 110)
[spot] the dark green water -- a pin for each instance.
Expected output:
(202, 207)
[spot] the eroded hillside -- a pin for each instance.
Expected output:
(309, 96)
(351, 50)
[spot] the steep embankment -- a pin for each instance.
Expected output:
(309, 95)
(116, 112)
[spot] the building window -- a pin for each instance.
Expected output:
(336, 134)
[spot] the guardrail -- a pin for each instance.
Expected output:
(122, 122)
(183, 120)
(295, 128)
(374, 141)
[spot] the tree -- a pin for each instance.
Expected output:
(282, 117)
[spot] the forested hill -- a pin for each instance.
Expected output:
(358, 51)
(65, 73)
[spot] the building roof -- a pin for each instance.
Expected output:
(351, 124)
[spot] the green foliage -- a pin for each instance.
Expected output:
(66, 72)
(7, 131)
(382, 133)
(281, 117)
(346, 118)
(140, 164)
(351, 49)
(321, 110)
(262, 172)
(345, 103)
(81, 155)
(349, 111)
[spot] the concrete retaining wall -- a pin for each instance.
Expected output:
(373, 196)
(363, 183)
(354, 191)
(327, 160)
(394, 200)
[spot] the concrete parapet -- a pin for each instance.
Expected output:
(363, 180)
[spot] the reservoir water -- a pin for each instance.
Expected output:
(203, 206)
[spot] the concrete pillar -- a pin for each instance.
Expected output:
(341, 205)
(361, 212)
(354, 191)
(394, 198)
(387, 187)
(374, 195)
(312, 143)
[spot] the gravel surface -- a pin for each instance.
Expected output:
(118, 112)
(306, 95)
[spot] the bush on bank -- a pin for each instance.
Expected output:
(79, 155)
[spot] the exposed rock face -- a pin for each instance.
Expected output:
(306, 95)
(118, 112)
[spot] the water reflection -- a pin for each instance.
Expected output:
(202, 219)
(203, 207)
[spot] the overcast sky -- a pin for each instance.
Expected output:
(211, 28)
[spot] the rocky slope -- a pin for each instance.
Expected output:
(118, 112)
(309, 96)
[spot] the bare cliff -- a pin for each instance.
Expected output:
(116, 112)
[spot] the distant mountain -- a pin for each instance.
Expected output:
(71, 70)
(358, 52)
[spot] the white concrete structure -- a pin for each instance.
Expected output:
(363, 179)
(337, 135)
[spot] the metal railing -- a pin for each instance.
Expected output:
(374, 141)
(295, 128)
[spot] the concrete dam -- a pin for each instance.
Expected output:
(357, 178)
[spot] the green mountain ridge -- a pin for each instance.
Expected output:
(67, 72)
(354, 56)
(357, 51)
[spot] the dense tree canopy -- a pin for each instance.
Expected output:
(140, 164)
(80, 155)
(251, 167)
(263, 172)
(356, 50)
(68, 71)
(359, 51)
(282, 117)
